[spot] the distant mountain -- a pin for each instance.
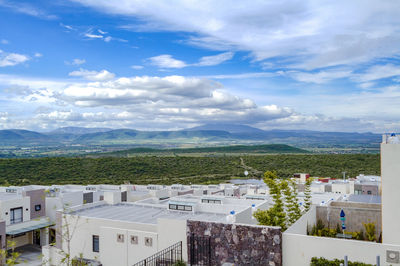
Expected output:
(78, 130)
(206, 135)
(20, 136)
(129, 134)
(231, 128)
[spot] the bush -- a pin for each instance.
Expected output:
(336, 262)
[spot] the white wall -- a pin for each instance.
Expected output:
(299, 249)
(5, 207)
(390, 170)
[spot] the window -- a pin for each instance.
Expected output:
(134, 240)
(180, 207)
(38, 207)
(369, 192)
(120, 238)
(16, 215)
(148, 241)
(96, 243)
(210, 201)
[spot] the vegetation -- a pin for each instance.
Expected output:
(10, 257)
(178, 169)
(319, 229)
(276, 215)
(307, 194)
(336, 262)
(268, 148)
(285, 211)
(292, 202)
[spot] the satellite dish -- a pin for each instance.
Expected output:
(246, 173)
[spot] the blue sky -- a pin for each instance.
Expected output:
(158, 65)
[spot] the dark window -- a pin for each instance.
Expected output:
(16, 215)
(172, 206)
(369, 192)
(95, 243)
(38, 207)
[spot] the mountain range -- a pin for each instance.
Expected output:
(206, 134)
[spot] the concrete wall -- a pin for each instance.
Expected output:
(237, 244)
(390, 170)
(37, 197)
(356, 215)
(6, 206)
(298, 248)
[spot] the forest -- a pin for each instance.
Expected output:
(179, 169)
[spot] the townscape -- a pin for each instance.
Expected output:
(199, 133)
(131, 224)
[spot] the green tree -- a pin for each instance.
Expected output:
(291, 202)
(10, 257)
(274, 216)
(307, 194)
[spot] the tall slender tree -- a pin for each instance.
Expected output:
(307, 194)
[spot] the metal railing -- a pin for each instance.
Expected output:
(166, 257)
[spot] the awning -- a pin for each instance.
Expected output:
(24, 227)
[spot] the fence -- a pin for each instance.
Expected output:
(166, 257)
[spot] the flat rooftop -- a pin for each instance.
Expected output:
(365, 199)
(127, 212)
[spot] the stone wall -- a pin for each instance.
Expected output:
(237, 244)
(37, 197)
(356, 215)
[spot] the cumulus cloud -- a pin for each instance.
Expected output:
(309, 34)
(12, 59)
(93, 75)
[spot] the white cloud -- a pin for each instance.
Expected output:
(166, 61)
(215, 59)
(378, 72)
(4, 41)
(27, 9)
(319, 77)
(37, 55)
(93, 75)
(311, 34)
(137, 67)
(102, 32)
(75, 62)
(12, 59)
(67, 27)
(93, 36)
(108, 39)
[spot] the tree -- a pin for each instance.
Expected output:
(291, 202)
(307, 194)
(9, 258)
(274, 216)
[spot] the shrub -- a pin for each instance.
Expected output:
(336, 262)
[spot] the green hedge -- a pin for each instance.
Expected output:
(336, 262)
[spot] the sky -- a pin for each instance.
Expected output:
(169, 65)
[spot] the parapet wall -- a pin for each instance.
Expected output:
(356, 215)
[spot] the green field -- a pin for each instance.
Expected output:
(179, 169)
